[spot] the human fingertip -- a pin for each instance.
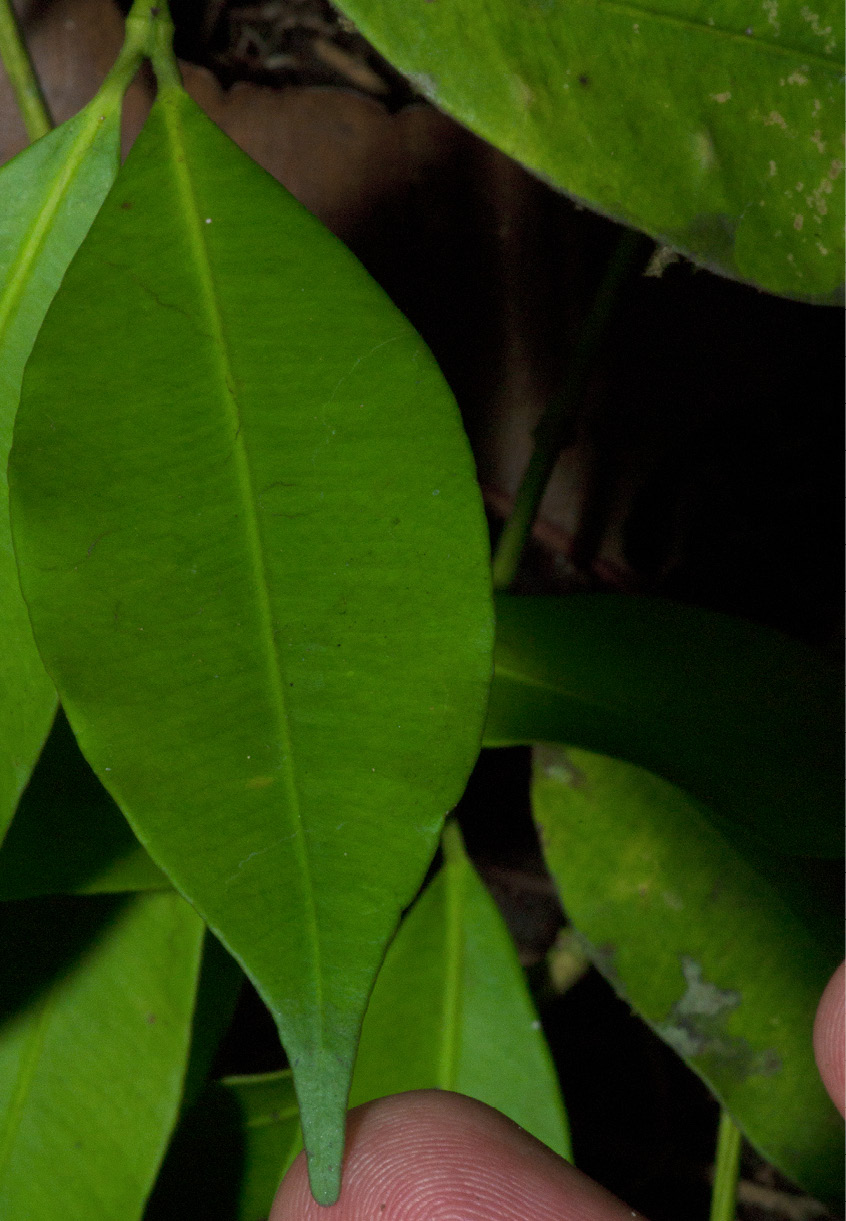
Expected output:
(830, 1038)
(431, 1154)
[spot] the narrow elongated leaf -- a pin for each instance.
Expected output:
(700, 945)
(49, 195)
(97, 997)
(744, 718)
(68, 836)
(718, 131)
(450, 1010)
(255, 559)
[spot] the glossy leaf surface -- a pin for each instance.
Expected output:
(700, 945)
(97, 999)
(256, 562)
(67, 835)
(744, 718)
(450, 1010)
(50, 194)
(718, 131)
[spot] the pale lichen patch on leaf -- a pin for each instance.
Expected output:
(704, 150)
(817, 27)
(774, 119)
(770, 7)
(696, 1026)
(603, 958)
(817, 198)
(557, 765)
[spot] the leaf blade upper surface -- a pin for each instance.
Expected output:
(276, 553)
(743, 717)
(718, 131)
(701, 944)
(98, 997)
(451, 1010)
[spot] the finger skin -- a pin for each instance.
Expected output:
(436, 1156)
(830, 1037)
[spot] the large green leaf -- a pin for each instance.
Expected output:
(450, 1010)
(256, 563)
(67, 835)
(743, 717)
(50, 194)
(701, 945)
(95, 1019)
(717, 130)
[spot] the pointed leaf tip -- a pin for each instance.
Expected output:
(321, 1081)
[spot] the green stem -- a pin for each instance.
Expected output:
(149, 34)
(22, 76)
(726, 1170)
(148, 30)
(161, 52)
(551, 433)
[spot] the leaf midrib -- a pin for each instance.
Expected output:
(531, 681)
(170, 101)
(36, 235)
(30, 1059)
(624, 710)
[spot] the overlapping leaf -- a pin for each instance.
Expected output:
(95, 1021)
(701, 944)
(67, 835)
(255, 560)
(49, 195)
(450, 1010)
(231, 1152)
(718, 131)
(744, 718)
